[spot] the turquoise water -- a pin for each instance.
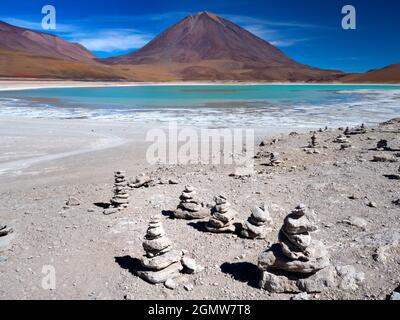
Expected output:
(212, 105)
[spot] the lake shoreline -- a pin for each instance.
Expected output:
(15, 85)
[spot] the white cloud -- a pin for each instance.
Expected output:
(114, 40)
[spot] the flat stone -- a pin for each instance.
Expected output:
(154, 246)
(162, 261)
(222, 208)
(226, 229)
(189, 188)
(301, 241)
(226, 216)
(156, 232)
(161, 276)
(187, 195)
(349, 278)
(277, 284)
(73, 202)
(187, 215)
(173, 181)
(193, 207)
(109, 211)
(356, 222)
(384, 158)
(274, 259)
(6, 241)
(252, 231)
(298, 225)
(190, 265)
(318, 282)
(220, 200)
(259, 214)
(171, 284)
(215, 223)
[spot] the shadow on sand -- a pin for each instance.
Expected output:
(131, 264)
(243, 271)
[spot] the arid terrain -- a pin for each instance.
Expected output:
(95, 255)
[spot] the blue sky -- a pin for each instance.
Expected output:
(307, 30)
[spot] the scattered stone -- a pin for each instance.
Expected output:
(382, 145)
(190, 208)
(384, 158)
(6, 236)
(258, 224)
(301, 296)
(73, 202)
(372, 204)
(120, 199)
(296, 253)
(171, 284)
(396, 202)
(356, 222)
(5, 230)
(349, 278)
(345, 146)
(223, 217)
(173, 181)
(190, 265)
(188, 287)
(341, 139)
(142, 180)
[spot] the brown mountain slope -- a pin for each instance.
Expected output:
(208, 47)
(14, 38)
(24, 65)
(389, 74)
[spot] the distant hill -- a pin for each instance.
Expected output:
(389, 74)
(208, 47)
(25, 65)
(14, 38)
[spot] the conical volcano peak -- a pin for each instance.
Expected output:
(206, 15)
(206, 46)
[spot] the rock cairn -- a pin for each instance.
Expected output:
(161, 261)
(274, 160)
(296, 253)
(257, 225)
(189, 207)
(222, 216)
(313, 142)
(120, 199)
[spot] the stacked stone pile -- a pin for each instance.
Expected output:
(222, 216)
(258, 224)
(296, 253)
(190, 207)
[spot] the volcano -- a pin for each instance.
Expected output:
(208, 47)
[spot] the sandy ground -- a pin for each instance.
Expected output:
(45, 162)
